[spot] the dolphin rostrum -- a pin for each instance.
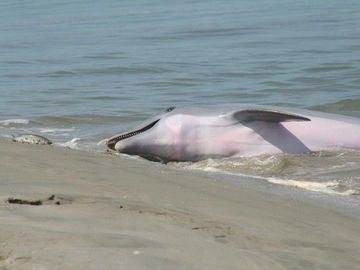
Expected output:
(191, 134)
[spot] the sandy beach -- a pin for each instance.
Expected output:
(100, 211)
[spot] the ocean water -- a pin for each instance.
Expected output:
(79, 71)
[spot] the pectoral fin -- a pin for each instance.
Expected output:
(250, 115)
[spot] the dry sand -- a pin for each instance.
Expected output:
(113, 213)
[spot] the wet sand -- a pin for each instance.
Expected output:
(99, 211)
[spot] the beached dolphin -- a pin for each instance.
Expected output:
(191, 134)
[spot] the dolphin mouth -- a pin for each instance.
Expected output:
(113, 140)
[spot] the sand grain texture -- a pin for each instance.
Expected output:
(112, 213)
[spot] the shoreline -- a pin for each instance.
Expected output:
(116, 213)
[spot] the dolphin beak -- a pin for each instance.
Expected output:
(111, 142)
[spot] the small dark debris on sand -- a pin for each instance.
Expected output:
(19, 201)
(32, 202)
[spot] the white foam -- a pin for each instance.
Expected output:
(8, 122)
(70, 144)
(324, 187)
(102, 142)
(55, 130)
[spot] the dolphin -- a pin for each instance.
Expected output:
(193, 134)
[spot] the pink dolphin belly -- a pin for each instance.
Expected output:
(271, 138)
(322, 133)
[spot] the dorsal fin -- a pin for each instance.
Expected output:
(250, 115)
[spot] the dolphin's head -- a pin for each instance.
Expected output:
(153, 139)
(174, 134)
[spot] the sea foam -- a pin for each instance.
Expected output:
(72, 144)
(9, 122)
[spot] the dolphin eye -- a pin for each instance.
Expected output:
(170, 109)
